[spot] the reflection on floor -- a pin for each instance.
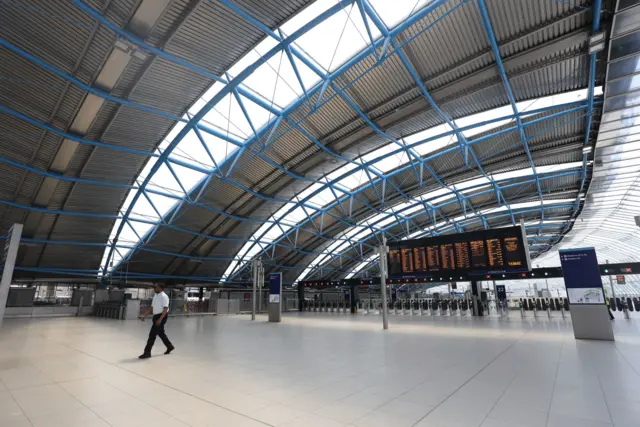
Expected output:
(320, 370)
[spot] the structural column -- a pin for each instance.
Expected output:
(9, 258)
(383, 281)
(476, 297)
(300, 297)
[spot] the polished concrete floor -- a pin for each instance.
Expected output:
(318, 370)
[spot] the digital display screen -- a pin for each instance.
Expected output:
(433, 258)
(512, 252)
(494, 251)
(394, 263)
(420, 260)
(447, 257)
(462, 256)
(407, 260)
(474, 252)
(478, 254)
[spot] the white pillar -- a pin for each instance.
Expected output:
(383, 282)
(254, 270)
(9, 258)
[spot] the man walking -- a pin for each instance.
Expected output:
(160, 309)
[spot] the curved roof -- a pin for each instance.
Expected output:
(201, 134)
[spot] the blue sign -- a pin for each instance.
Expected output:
(275, 283)
(582, 276)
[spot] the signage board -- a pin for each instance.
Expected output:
(582, 276)
(620, 280)
(501, 292)
(275, 283)
(275, 292)
(476, 252)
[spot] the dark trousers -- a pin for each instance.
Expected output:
(157, 330)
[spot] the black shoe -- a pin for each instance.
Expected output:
(169, 350)
(144, 356)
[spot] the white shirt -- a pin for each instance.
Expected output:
(159, 303)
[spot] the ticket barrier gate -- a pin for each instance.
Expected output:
(539, 305)
(108, 309)
(435, 307)
(633, 304)
(625, 305)
(445, 307)
(464, 307)
(424, 307)
(415, 307)
(454, 308)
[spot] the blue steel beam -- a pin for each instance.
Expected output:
(505, 80)
(597, 6)
(97, 92)
(292, 64)
(320, 74)
(154, 251)
(165, 194)
(228, 88)
(474, 221)
(160, 53)
(414, 20)
(482, 217)
(151, 250)
(513, 219)
(506, 182)
(402, 169)
(98, 183)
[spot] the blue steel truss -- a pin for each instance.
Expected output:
(257, 144)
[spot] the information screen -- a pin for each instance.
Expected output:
(512, 252)
(494, 251)
(476, 252)
(462, 256)
(447, 259)
(407, 260)
(420, 260)
(395, 265)
(433, 258)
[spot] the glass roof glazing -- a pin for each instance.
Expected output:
(234, 121)
(386, 164)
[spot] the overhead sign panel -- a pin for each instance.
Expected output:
(477, 252)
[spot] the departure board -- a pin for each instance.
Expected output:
(494, 252)
(407, 260)
(478, 254)
(420, 260)
(433, 258)
(394, 263)
(462, 256)
(512, 252)
(475, 252)
(446, 257)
